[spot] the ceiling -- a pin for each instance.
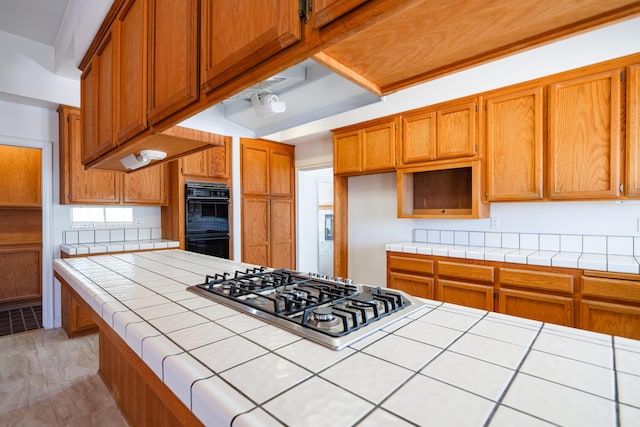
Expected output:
(37, 20)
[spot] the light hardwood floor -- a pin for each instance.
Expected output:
(49, 380)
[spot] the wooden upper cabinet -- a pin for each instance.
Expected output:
(326, 11)
(633, 131)
(281, 167)
(210, 163)
(366, 147)
(418, 137)
(514, 139)
(254, 167)
(131, 108)
(444, 131)
(584, 137)
(104, 63)
(147, 186)
(88, 102)
(21, 177)
(265, 28)
(173, 56)
(78, 185)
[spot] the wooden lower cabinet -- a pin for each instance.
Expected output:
(610, 318)
(467, 294)
(412, 284)
(21, 278)
(533, 305)
(75, 320)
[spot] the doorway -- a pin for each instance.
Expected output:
(315, 220)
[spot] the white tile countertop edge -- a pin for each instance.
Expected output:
(435, 337)
(586, 261)
(122, 246)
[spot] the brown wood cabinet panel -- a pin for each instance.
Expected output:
(147, 186)
(622, 290)
(456, 131)
(281, 169)
(21, 176)
(105, 63)
(410, 264)
(254, 165)
(131, 108)
(584, 137)
(545, 281)
(173, 56)
(255, 230)
(514, 140)
(379, 147)
(545, 308)
(610, 318)
(78, 185)
(20, 226)
(21, 277)
(418, 137)
(479, 273)
(326, 11)
(633, 131)
(346, 153)
(467, 294)
(75, 320)
(266, 30)
(209, 163)
(412, 284)
(89, 111)
(282, 233)
(196, 164)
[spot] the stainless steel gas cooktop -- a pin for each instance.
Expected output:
(329, 311)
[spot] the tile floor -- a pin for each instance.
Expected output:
(49, 380)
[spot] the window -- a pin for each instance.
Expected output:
(84, 217)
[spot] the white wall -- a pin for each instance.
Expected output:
(372, 198)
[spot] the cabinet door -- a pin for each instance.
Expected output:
(633, 131)
(467, 294)
(131, 107)
(326, 11)
(266, 28)
(88, 112)
(379, 147)
(255, 230)
(196, 164)
(147, 186)
(20, 176)
(254, 165)
(346, 153)
(78, 185)
(584, 137)
(281, 169)
(21, 277)
(104, 62)
(282, 233)
(545, 308)
(514, 132)
(610, 318)
(218, 160)
(418, 137)
(173, 56)
(412, 284)
(456, 131)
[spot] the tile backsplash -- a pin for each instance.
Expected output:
(72, 237)
(578, 243)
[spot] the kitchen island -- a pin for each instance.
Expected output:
(442, 365)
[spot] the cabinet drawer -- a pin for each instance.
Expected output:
(480, 273)
(537, 280)
(624, 290)
(410, 264)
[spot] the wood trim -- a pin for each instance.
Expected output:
(347, 73)
(340, 225)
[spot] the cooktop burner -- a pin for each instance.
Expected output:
(329, 311)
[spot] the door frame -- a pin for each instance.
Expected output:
(46, 170)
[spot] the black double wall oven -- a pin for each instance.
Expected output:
(207, 218)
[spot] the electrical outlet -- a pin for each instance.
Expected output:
(495, 223)
(138, 222)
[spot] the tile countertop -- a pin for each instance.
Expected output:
(122, 246)
(586, 261)
(444, 364)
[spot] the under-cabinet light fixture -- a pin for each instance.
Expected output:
(145, 157)
(266, 104)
